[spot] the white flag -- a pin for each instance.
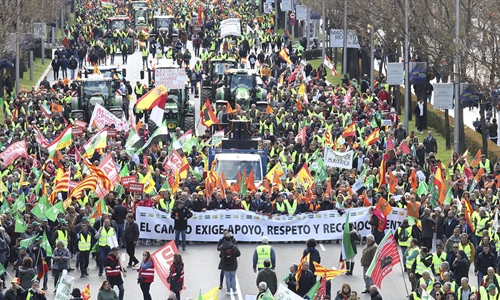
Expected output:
(329, 64)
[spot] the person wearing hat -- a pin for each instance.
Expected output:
(61, 258)
(263, 252)
(114, 271)
(492, 292)
(15, 292)
(61, 234)
(20, 258)
(180, 214)
(366, 260)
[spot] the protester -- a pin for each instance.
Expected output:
(106, 292)
(263, 252)
(131, 238)
(61, 257)
(35, 292)
(176, 276)
(229, 254)
(221, 241)
(366, 259)
(268, 276)
(180, 214)
(146, 274)
(114, 272)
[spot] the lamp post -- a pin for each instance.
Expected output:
(407, 70)
(324, 29)
(457, 121)
(344, 63)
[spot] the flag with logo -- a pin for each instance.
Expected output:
(385, 258)
(207, 115)
(64, 140)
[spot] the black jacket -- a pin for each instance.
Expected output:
(131, 232)
(235, 252)
(375, 296)
(430, 145)
(306, 281)
(180, 215)
(460, 268)
(315, 256)
(484, 261)
(427, 226)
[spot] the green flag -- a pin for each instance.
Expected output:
(373, 123)
(124, 171)
(196, 173)
(243, 186)
(422, 188)
(119, 190)
(20, 203)
(267, 295)
(42, 206)
(369, 182)
(347, 250)
(5, 206)
(27, 242)
(46, 245)
(20, 226)
(449, 194)
(166, 186)
(313, 156)
(434, 196)
(54, 210)
(2, 270)
(313, 291)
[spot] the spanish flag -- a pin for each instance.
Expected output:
(373, 137)
(207, 115)
(350, 130)
(152, 98)
(284, 55)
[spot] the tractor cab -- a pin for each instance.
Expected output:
(164, 25)
(242, 87)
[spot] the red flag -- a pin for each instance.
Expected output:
(385, 258)
(301, 135)
(404, 148)
(382, 220)
(162, 259)
(200, 14)
(43, 270)
(390, 144)
(293, 75)
(321, 293)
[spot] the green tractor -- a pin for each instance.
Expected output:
(213, 78)
(119, 31)
(179, 112)
(164, 26)
(241, 87)
(92, 90)
(140, 17)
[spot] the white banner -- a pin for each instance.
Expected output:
(248, 226)
(443, 95)
(337, 38)
(286, 5)
(171, 78)
(102, 117)
(230, 26)
(395, 73)
(65, 286)
(341, 160)
(283, 293)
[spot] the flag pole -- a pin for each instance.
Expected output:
(403, 273)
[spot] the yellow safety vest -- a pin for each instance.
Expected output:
(466, 249)
(485, 166)
(437, 260)
(480, 225)
(84, 242)
(138, 89)
(429, 284)
(245, 205)
(62, 236)
(409, 262)
(280, 206)
(263, 253)
(472, 290)
(408, 233)
(103, 238)
(291, 208)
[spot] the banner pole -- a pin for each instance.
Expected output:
(403, 273)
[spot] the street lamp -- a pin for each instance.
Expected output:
(407, 70)
(344, 63)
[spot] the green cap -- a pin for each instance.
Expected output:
(85, 219)
(35, 224)
(22, 248)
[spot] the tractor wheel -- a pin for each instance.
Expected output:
(206, 93)
(189, 123)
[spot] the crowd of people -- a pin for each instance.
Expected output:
(446, 236)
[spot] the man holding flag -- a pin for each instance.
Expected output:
(366, 260)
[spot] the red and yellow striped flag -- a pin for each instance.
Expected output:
(95, 171)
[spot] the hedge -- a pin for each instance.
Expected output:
(313, 54)
(473, 140)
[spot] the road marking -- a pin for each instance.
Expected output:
(238, 289)
(322, 247)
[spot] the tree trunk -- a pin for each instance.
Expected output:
(447, 130)
(484, 136)
(352, 63)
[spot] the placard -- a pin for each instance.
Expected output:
(286, 5)
(77, 130)
(395, 73)
(101, 117)
(230, 26)
(112, 132)
(443, 95)
(336, 159)
(126, 180)
(337, 38)
(39, 30)
(386, 122)
(171, 78)
(79, 123)
(72, 184)
(135, 187)
(301, 12)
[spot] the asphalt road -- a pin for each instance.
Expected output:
(201, 272)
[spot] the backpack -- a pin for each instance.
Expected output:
(403, 236)
(227, 256)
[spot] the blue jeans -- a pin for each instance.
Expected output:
(230, 281)
(72, 73)
(183, 235)
(480, 276)
(103, 253)
(121, 234)
(403, 250)
(121, 291)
